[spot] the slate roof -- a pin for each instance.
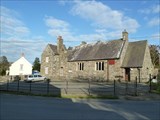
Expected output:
(54, 48)
(98, 51)
(135, 54)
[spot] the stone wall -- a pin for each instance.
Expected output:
(90, 72)
(60, 69)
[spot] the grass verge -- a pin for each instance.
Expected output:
(62, 96)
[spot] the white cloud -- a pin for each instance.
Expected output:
(103, 16)
(151, 10)
(12, 48)
(154, 22)
(15, 37)
(106, 23)
(62, 28)
(58, 27)
(56, 23)
(10, 24)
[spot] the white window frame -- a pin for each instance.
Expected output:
(99, 66)
(21, 67)
(46, 70)
(80, 66)
(47, 59)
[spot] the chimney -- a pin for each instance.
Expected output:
(59, 44)
(83, 43)
(125, 35)
(22, 54)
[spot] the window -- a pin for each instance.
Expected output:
(47, 59)
(21, 67)
(46, 70)
(39, 76)
(35, 75)
(99, 65)
(80, 66)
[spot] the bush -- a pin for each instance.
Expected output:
(158, 76)
(156, 87)
(17, 78)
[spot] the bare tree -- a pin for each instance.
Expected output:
(155, 55)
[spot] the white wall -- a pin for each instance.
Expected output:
(21, 67)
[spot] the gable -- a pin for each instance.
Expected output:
(97, 51)
(134, 56)
(21, 60)
(50, 48)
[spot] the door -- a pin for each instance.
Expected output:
(127, 74)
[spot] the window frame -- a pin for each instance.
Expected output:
(21, 67)
(80, 66)
(46, 70)
(47, 59)
(99, 66)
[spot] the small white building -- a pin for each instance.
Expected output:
(20, 67)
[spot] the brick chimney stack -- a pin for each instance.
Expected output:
(125, 35)
(59, 44)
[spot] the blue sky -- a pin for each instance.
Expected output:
(29, 25)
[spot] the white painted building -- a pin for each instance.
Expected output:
(20, 67)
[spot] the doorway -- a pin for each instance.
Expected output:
(127, 74)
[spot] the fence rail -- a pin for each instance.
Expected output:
(58, 88)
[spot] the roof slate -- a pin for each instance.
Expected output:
(98, 51)
(54, 48)
(135, 54)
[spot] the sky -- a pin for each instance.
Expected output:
(29, 25)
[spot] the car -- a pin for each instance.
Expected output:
(33, 78)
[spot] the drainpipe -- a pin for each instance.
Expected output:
(108, 71)
(139, 75)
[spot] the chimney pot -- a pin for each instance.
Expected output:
(22, 54)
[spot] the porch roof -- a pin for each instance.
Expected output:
(134, 56)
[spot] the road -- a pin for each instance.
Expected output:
(19, 107)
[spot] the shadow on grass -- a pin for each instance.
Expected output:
(31, 88)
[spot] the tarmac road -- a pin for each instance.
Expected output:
(19, 107)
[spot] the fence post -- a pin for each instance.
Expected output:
(30, 86)
(47, 86)
(18, 86)
(127, 87)
(7, 85)
(150, 81)
(136, 86)
(89, 86)
(114, 88)
(66, 86)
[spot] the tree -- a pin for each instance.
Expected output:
(155, 55)
(4, 65)
(36, 64)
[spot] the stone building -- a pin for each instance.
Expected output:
(116, 59)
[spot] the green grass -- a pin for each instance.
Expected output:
(63, 96)
(90, 96)
(155, 87)
(29, 94)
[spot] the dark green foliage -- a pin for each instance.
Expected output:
(36, 64)
(155, 53)
(4, 65)
(156, 87)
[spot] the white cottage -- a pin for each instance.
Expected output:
(20, 67)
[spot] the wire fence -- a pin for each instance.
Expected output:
(88, 87)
